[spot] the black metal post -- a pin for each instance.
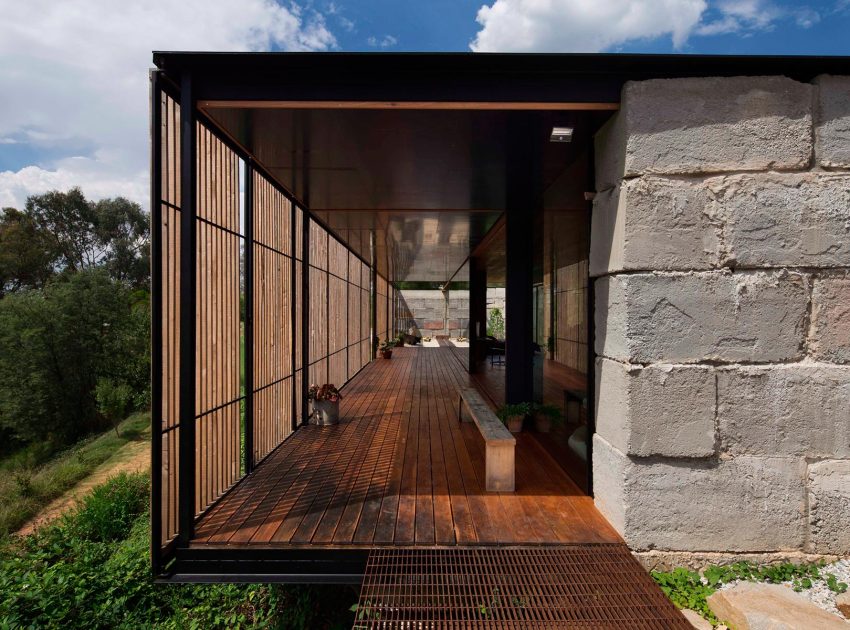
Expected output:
(188, 280)
(305, 313)
(477, 310)
(156, 321)
(249, 316)
(523, 201)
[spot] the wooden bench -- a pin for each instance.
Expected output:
(499, 458)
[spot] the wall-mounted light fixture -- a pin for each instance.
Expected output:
(561, 134)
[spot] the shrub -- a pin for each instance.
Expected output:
(109, 511)
(496, 323)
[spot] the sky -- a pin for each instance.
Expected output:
(74, 73)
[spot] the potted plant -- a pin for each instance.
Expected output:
(513, 415)
(550, 346)
(545, 416)
(399, 340)
(325, 403)
(386, 349)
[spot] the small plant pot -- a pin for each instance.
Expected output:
(386, 354)
(514, 423)
(325, 412)
(542, 423)
(399, 343)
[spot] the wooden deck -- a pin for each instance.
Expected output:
(400, 469)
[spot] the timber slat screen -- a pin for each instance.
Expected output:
(166, 137)
(274, 295)
(218, 390)
(339, 310)
(253, 253)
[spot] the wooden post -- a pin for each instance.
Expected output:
(249, 317)
(188, 261)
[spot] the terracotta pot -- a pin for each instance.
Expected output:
(399, 343)
(325, 412)
(514, 423)
(542, 423)
(386, 354)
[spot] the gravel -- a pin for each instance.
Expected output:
(819, 593)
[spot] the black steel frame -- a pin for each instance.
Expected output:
(175, 559)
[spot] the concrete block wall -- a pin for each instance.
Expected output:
(720, 250)
(432, 312)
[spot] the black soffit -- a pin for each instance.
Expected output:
(429, 182)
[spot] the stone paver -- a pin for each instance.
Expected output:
(749, 606)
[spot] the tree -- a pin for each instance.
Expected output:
(496, 324)
(74, 234)
(56, 344)
(26, 256)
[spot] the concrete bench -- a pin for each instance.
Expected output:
(499, 457)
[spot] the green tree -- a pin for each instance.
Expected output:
(56, 344)
(63, 232)
(496, 323)
(26, 255)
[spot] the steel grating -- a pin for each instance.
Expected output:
(565, 586)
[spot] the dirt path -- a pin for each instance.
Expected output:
(132, 457)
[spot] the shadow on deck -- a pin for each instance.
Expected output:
(400, 470)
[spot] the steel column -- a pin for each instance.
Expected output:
(523, 202)
(477, 310)
(188, 262)
(305, 313)
(156, 321)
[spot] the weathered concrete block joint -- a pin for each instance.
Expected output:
(721, 252)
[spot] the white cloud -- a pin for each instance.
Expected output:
(747, 16)
(387, 41)
(582, 25)
(78, 69)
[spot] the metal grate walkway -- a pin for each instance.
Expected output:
(565, 586)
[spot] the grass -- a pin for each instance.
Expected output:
(91, 569)
(29, 481)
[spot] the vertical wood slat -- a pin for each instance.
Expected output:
(218, 396)
(274, 337)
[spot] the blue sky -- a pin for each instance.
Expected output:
(814, 28)
(73, 74)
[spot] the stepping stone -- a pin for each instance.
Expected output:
(696, 620)
(749, 606)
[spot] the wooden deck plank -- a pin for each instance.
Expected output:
(331, 484)
(401, 470)
(378, 487)
(328, 484)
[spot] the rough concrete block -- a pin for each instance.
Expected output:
(687, 318)
(743, 504)
(785, 410)
(784, 219)
(658, 410)
(829, 337)
(829, 506)
(832, 121)
(609, 480)
(749, 606)
(706, 125)
(611, 317)
(653, 223)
